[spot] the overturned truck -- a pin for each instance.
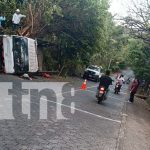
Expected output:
(18, 54)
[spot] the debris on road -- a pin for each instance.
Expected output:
(26, 76)
(46, 75)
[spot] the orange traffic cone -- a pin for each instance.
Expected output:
(84, 87)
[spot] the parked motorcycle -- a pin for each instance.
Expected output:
(101, 94)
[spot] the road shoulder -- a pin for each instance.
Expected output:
(137, 134)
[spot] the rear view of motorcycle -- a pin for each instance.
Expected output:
(101, 94)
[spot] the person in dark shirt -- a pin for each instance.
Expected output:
(133, 90)
(106, 80)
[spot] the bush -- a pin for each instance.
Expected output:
(122, 65)
(115, 68)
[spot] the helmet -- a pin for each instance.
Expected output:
(18, 10)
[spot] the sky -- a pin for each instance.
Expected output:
(119, 7)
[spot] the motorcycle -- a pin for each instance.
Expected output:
(101, 94)
(117, 88)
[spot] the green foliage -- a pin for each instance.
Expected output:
(114, 48)
(139, 58)
(138, 49)
(122, 65)
(8, 8)
(50, 59)
(80, 30)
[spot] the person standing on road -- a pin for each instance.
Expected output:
(16, 19)
(133, 90)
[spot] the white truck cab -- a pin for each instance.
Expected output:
(92, 72)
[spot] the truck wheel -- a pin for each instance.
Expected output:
(97, 80)
(84, 76)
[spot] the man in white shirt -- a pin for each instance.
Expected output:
(16, 19)
(120, 80)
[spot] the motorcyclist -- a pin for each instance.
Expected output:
(120, 81)
(105, 80)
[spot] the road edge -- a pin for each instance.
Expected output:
(121, 134)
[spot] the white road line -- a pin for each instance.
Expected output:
(80, 110)
(83, 111)
(91, 91)
(92, 87)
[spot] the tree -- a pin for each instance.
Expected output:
(37, 14)
(115, 46)
(138, 25)
(139, 58)
(79, 31)
(138, 20)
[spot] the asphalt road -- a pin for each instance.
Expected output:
(82, 124)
